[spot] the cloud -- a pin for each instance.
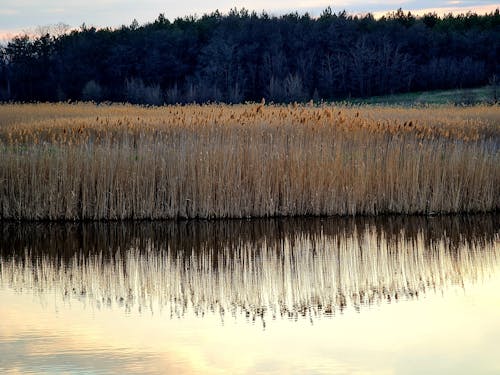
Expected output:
(8, 12)
(447, 10)
(23, 14)
(9, 34)
(54, 10)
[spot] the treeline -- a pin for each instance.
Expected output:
(245, 56)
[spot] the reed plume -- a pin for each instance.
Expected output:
(87, 162)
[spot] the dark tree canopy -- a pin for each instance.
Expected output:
(244, 56)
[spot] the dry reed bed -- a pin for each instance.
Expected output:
(119, 162)
(299, 274)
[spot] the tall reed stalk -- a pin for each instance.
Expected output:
(122, 162)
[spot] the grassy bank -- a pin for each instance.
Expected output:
(458, 97)
(122, 162)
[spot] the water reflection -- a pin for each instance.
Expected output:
(259, 269)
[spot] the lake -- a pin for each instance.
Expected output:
(386, 295)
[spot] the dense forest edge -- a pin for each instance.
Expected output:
(244, 56)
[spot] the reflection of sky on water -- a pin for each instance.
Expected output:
(455, 334)
(453, 328)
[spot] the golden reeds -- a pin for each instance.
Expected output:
(122, 162)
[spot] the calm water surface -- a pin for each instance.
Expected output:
(295, 296)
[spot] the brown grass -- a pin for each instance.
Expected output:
(123, 162)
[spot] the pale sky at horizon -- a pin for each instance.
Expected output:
(18, 16)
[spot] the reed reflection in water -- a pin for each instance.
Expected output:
(264, 268)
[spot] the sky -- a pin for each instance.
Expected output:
(18, 16)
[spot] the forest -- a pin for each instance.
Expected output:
(244, 56)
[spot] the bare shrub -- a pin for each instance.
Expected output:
(139, 93)
(92, 91)
(173, 95)
(294, 90)
(289, 89)
(275, 90)
(235, 94)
